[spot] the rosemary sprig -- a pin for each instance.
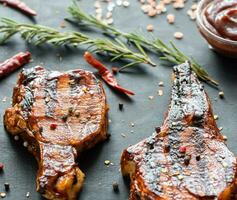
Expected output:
(38, 34)
(169, 53)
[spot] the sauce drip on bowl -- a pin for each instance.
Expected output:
(220, 17)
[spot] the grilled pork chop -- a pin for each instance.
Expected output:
(58, 115)
(187, 159)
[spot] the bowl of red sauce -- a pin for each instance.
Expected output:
(217, 22)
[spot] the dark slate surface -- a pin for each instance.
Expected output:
(20, 166)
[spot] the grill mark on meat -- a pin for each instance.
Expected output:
(50, 95)
(29, 76)
(202, 164)
(75, 79)
(27, 102)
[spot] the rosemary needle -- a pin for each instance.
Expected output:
(38, 34)
(169, 53)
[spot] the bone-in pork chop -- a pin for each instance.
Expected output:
(187, 158)
(58, 115)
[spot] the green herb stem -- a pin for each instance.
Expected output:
(38, 35)
(169, 53)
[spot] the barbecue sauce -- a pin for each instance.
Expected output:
(220, 17)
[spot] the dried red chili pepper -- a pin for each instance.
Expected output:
(14, 63)
(106, 75)
(20, 6)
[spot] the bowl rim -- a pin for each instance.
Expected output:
(200, 23)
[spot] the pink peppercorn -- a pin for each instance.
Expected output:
(53, 126)
(182, 149)
(1, 166)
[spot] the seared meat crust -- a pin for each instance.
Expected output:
(59, 115)
(188, 158)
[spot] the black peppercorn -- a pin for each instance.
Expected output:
(77, 114)
(40, 129)
(70, 111)
(115, 187)
(64, 118)
(7, 186)
(120, 106)
(157, 129)
(187, 159)
(167, 148)
(198, 157)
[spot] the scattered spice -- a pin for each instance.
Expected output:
(221, 94)
(115, 70)
(119, 2)
(1, 167)
(123, 135)
(150, 97)
(178, 35)
(70, 110)
(16, 137)
(148, 6)
(4, 99)
(150, 28)
(170, 18)
(126, 3)
(120, 106)
(187, 159)
(64, 118)
(224, 137)
(178, 4)
(198, 157)
(115, 187)
(47, 99)
(77, 114)
(194, 6)
(160, 92)
(27, 194)
(107, 162)
(108, 136)
(180, 177)
(62, 24)
(164, 170)
(41, 129)
(106, 75)
(7, 187)
(53, 126)
(182, 149)
(14, 63)
(157, 129)
(25, 144)
(167, 148)
(225, 165)
(2, 194)
(152, 12)
(161, 84)
(192, 13)
(20, 6)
